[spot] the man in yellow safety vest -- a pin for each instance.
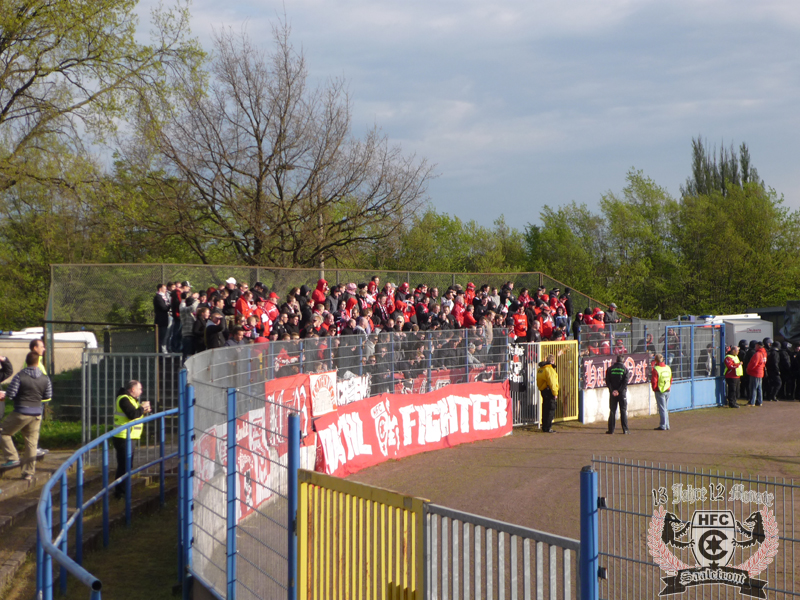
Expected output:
(733, 373)
(661, 381)
(127, 408)
(547, 382)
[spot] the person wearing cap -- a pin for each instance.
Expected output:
(546, 323)
(547, 382)
(611, 315)
(215, 331)
(661, 381)
(733, 374)
(773, 373)
(617, 383)
(469, 295)
(755, 369)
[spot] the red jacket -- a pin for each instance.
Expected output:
(520, 325)
(318, 295)
(755, 368)
(547, 326)
(243, 307)
(469, 319)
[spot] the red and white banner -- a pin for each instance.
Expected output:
(385, 427)
(444, 377)
(323, 393)
(595, 368)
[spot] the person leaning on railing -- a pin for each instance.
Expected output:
(28, 389)
(127, 408)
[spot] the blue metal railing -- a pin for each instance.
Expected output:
(49, 549)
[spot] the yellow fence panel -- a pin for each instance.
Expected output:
(357, 541)
(567, 366)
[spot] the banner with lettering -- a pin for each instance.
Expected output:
(593, 369)
(385, 427)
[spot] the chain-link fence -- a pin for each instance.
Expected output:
(123, 293)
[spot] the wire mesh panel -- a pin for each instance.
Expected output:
(104, 377)
(699, 534)
(468, 556)
(567, 365)
(522, 364)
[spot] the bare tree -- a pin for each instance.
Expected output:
(252, 158)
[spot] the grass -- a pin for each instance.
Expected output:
(141, 563)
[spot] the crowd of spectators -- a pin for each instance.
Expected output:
(472, 324)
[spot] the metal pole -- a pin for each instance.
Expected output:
(47, 577)
(79, 507)
(292, 485)
(182, 464)
(231, 497)
(128, 478)
(105, 495)
(590, 536)
(65, 538)
(188, 492)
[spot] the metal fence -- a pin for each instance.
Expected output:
(468, 556)
(123, 293)
(358, 541)
(670, 530)
(103, 376)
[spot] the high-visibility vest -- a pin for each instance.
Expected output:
(120, 418)
(44, 372)
(664, 378)
(739, 368)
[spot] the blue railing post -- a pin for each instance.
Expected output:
(63, 546)
(231, 497)
(188, 491)
(181, 469)
(105, 496)
(590, 536)
(292, 493)
(128, 477)
(47, 574)
(79, 508)
(39, 562)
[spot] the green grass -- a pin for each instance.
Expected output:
(141, 563)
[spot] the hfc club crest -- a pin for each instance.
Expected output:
(713, 537)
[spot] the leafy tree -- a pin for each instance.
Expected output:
(246, 157)
(712, 173)
(69, 68)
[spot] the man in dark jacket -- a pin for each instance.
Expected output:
(27, 390)
(786, 372)
(161, 308)
(773, 373)
(617, 383)
(215, 331)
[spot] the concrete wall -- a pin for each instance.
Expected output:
(684, 395)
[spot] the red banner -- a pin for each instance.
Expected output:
(385, 427)
(444, 377)
(594, 369)
(292, 392)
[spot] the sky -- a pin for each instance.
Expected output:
(522, 104)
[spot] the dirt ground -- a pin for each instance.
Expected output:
(532, 478)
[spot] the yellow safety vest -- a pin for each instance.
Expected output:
(739, 368)
(44, 372)
(120, 418)
(664, 378)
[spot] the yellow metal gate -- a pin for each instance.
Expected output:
(357, 541)
(567, 365)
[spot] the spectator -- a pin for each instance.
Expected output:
(318, 295)
(755, 369)
(773, 373)
(535, 334)
(236, 338)
(619, 347)
(188, 308)
(561, 320)
(472, 360)
(27, 390)
(214, 334)
(199, 330)
(611, 315)
(162, 318)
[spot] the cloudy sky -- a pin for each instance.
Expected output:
(527, 103)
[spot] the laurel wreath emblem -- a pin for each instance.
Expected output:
(662, 556)
(671, 564)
